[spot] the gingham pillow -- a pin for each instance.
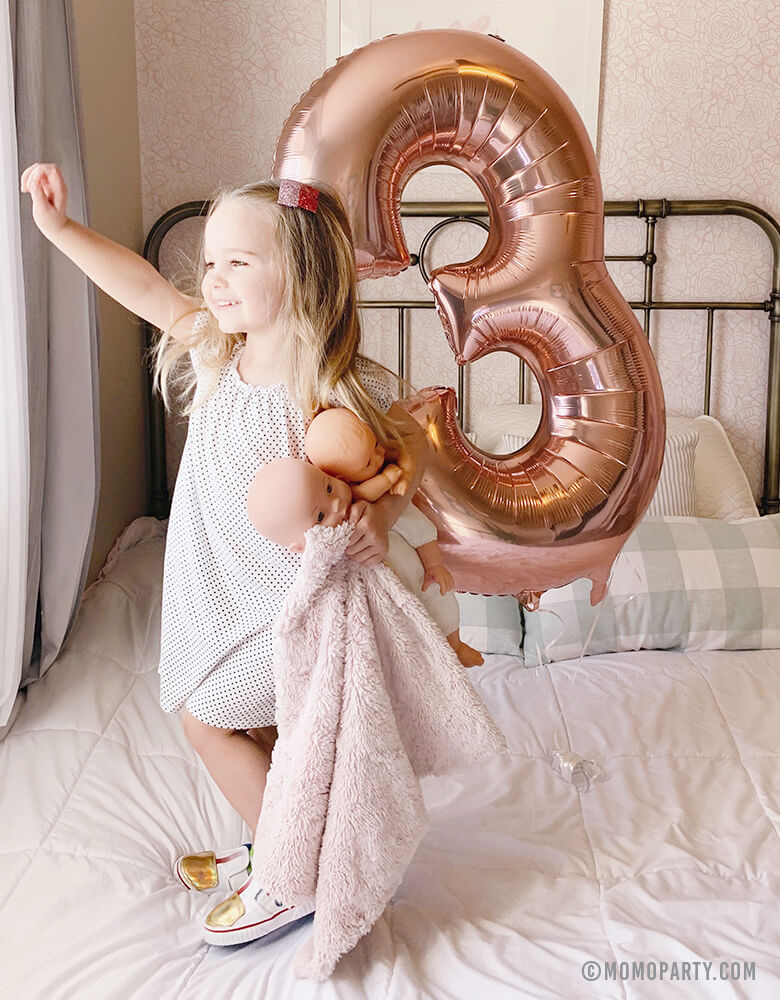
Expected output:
(679, 582)
(491, 624)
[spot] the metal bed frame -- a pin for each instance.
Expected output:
(651, 211)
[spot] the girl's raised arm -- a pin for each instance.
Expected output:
(122, 274)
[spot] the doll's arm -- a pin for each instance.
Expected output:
(373, 520)
(376, 487)
(405, 461)
(122, 274)
(435, 570)
(415, 450)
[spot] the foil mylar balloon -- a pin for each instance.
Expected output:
(563, 505)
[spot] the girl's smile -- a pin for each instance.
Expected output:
(242, 284)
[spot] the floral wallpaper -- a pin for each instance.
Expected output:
(689, 94)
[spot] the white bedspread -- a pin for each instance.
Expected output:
(519, 881)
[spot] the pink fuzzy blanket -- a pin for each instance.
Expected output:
(369, 698)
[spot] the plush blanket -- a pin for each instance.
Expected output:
(370, 697)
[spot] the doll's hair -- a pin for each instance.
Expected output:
(317, 257)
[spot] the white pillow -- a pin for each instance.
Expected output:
(675, 494)
(493, 422)
(722, 489)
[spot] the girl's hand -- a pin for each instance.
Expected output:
(369, 542)
(45, 185)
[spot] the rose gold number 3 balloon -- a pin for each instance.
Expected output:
(563, 506)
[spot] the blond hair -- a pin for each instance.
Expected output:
(319, 306)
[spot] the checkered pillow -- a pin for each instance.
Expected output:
(491, 624)
(679, 582)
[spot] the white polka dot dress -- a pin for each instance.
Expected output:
(224, 584)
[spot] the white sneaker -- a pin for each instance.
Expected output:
(209, 871)
(250, 913)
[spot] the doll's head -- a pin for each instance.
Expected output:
(289, 495)
(343, 445)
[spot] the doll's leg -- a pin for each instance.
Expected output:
(236, 761)
(467, 655)
(443, 608)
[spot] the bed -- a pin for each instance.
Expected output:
(651, 870)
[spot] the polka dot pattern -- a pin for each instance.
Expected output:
(224, 584)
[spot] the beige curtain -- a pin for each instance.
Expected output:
(14, 485)
(60, 342)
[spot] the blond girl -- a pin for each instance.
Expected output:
(272, 339)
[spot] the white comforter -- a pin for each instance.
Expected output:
(674, 859)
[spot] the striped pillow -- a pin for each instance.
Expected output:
(678, 583)
(675, 494)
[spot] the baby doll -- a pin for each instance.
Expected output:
(345, 448)
(290, 495)
(342, 445)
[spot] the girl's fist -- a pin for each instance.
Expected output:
(44, 183)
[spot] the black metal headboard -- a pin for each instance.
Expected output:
(651, 211)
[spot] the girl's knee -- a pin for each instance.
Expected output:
(264, 736)
(201, 734)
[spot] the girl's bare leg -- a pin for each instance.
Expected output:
(236, 760)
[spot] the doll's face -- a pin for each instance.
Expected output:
(368, 461)
(288, 496)
(344, 445)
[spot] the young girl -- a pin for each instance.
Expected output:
(272, 341)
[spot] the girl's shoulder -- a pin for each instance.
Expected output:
(202, 347)
(190, 320)
(378, 382)
(198, 328)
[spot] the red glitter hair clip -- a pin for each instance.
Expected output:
(293, 194)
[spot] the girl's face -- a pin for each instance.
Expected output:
(242, 283)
